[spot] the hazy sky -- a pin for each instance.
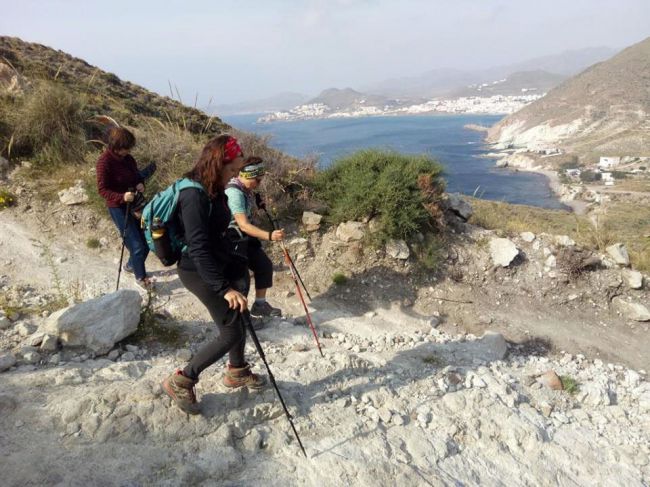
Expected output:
(248, 49)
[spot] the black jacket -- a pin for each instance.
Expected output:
(209, 251)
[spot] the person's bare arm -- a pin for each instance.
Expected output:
(249, 229)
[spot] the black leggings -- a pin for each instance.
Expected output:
(260, 264)
(232, 335)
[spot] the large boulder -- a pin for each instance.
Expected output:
(619, 254)
(459, 206)
(350, 231)
(98, 323)
(503, 251)
(398, 249)
(630, 310)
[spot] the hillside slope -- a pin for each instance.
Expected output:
(105, 92)
(601, 111)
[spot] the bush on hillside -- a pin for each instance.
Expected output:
(49, 125)
(590, 176)
(402, 191)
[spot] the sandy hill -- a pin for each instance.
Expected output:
(603, 110)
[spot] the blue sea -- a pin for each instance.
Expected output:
(441, 136)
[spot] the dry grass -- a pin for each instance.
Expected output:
(49, 125)
(641, 185)
(624, 222)
(629, 222)
(514, 219)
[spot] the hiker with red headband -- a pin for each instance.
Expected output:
(208, 270)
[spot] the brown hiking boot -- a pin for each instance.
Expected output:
(181, 390)
(242, 377)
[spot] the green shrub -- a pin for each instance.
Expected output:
(619, 174)
(6, 199)
(49, 125)
(590, 176)
(402, 191)
(570, 164)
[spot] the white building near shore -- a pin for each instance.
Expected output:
(609, 162)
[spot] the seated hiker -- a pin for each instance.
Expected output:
(120, 183)
(206, 268)
(241, 200)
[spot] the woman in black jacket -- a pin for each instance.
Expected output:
(209, 271)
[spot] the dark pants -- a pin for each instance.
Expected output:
(232, 334)
(260, 264)
(133, 239)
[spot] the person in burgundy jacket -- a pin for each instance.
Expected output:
(117, 177)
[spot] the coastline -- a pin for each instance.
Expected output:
(578, 207)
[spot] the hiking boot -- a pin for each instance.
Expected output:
(242, 377)
(181, 390)
(146, 284)
(265, 309)
(127, 268)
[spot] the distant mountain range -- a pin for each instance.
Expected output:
(604, 110)
(530, 82)
(447, 82)
(533, 76)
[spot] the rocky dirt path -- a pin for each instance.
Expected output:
(405, 407)
(395, 400)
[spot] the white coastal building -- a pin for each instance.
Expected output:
(609, 162)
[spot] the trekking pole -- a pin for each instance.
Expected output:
(126, 222)
(302, 300)
(247, 319)
(287, 257)
(294, 274)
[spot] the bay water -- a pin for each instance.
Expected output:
(443, 137)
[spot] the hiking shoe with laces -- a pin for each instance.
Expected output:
(181, 390)
(127, 268)
(242, 377)
(265, 309)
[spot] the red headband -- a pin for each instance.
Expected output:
(232, 150)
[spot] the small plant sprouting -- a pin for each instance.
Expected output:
(93, 243)
(433, 360)
(569, 384)
(339, 279)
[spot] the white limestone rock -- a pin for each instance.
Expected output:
(503, 251)
(98, 323)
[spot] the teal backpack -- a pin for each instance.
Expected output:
(162, 229)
